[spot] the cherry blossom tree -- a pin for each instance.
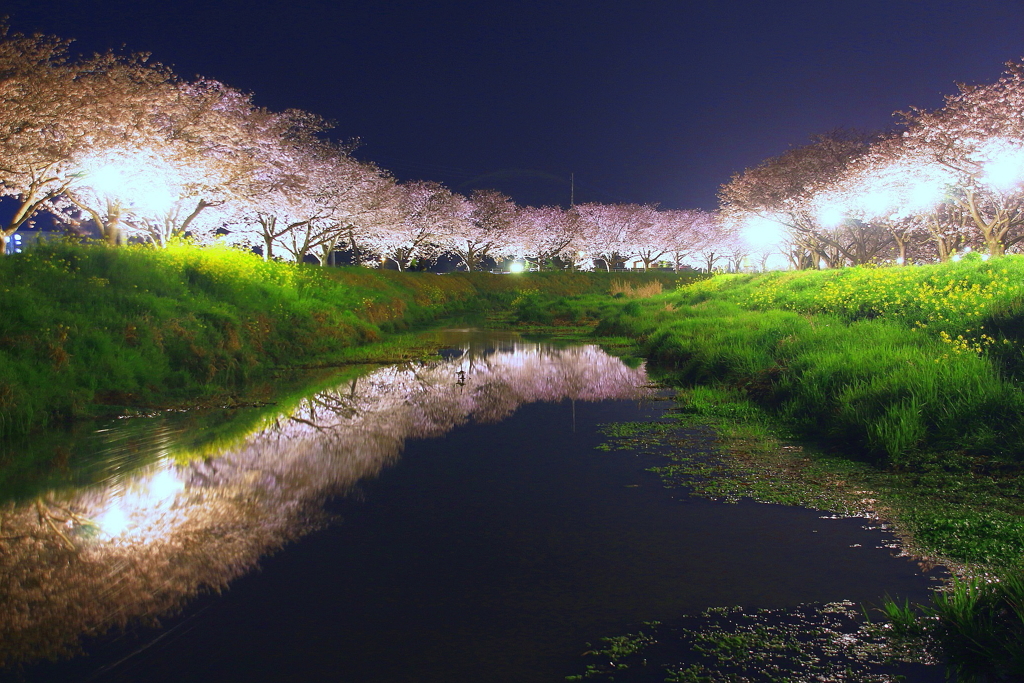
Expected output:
(550, 233)
(615, 232)
(363, 203)
(896, 191)
(308, 197)
(310, 212)
(600, 232)
(710, 254)
(55, 111)
(645, 234)
(484, 226)
(978, 135)
(783, 189)
(278, 196)
(36, 103)
(422, 213)
(683, 232)
(184, 152)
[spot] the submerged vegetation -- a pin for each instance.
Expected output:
(907, 381)
(730, 645)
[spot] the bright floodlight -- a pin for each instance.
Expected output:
(831, 216)
(762, 233)
(516, 267)
(876, 203)
(923, 196)
(142, 181)
(1004, 169)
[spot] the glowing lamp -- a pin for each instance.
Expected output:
(874, 204)
(1005, 171)
(923, 196)
(142, 181)
(831, 216)
(516, 267)
(762, 232)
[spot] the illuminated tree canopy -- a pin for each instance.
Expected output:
(948, 181)
(121, 147)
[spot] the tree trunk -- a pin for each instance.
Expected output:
(112, 227)
(180, 232)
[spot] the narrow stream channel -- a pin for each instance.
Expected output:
(439, 522)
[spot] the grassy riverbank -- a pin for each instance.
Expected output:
(909, 375)
(888, 391)
(905, 364)
(90, 329)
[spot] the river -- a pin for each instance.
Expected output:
(428, 522)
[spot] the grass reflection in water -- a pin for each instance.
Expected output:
(78, 562)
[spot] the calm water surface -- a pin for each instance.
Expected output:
(440, 522)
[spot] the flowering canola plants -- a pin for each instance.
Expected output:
(951, 301)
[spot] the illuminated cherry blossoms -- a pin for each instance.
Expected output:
(122, 148)
(945, 183)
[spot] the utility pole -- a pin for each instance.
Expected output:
(572, 189)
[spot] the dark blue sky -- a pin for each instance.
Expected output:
(643, 101)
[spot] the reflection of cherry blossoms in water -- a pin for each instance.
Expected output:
(105, 556)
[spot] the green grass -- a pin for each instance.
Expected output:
(89, 329)
(908, 377)
(893, 380)
(977, 626)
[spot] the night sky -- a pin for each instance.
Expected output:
(643, 101)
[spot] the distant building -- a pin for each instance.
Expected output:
(26, 239)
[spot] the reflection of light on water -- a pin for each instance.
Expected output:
(165, 484)
(142, 512)
(112, 521)
(344, 433)
(144, 544)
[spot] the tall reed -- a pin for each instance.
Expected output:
(977, 628)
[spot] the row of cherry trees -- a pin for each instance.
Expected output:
(948, 181)
(123, 144)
